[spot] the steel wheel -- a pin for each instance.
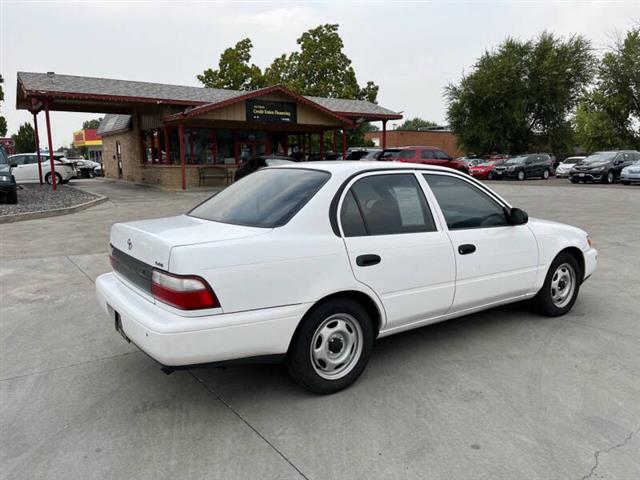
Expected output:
(563, 284)
(336, 346)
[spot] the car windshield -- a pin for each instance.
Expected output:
(516, 160)
(267, 198)
(390, 154)
(600, 157)
(406, 154)
(571, 161)
(3, 157)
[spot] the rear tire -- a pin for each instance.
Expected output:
(331, 347)
(47, 178)
(561, 286)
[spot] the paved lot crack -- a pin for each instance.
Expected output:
(597, 454)
(41, 372)
(81, 270)
(243, 420)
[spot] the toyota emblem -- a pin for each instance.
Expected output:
(129, 244)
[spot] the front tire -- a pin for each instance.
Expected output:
(561, 286)
(521, 175)
(609, 179)
(545, 175)
(12, 197)
(331, 347)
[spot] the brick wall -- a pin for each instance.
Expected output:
(445, 141)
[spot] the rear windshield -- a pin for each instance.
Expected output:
(267, 198)
(407, 154)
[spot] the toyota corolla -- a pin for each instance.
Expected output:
(309, 263)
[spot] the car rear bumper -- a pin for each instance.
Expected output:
(174, 340)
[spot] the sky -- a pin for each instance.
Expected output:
(412, 50)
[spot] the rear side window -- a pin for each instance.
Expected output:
(440, 155)
(266, 198)
(407, 154)
(463, 205)
(387, 205)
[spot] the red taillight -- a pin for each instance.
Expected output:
(186, 292)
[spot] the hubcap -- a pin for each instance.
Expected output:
(563, 284)
(521, 175)
(336, 346)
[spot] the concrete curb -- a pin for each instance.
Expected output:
(19, 217)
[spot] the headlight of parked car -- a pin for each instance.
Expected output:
(5, 178)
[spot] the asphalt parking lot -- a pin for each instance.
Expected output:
(504, 394)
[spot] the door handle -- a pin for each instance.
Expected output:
(367, 260)
(466, 249)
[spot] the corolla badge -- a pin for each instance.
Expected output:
(129, 244)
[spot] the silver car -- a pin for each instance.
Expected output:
(631, 173)
(567, 164)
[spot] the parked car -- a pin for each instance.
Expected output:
(484, 170)
(85, 168)
(430, 156)
(8, 187)
(470, 161)
(389, 154)
(524, 166)
(256, 163)
(98, 171)
(631, 173)
(25, 168)
(310, 263)
(603, 167)
(566, 165)
(364, 154)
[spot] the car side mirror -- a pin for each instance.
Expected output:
(516, 216)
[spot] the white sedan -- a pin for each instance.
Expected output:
(310, 263)
(566, 165)
(25, 168)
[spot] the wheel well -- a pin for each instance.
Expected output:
(577, 254)
(362, 298)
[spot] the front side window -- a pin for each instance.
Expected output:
(387, 205)
(440, 155)
(268, 198)
(463, 205)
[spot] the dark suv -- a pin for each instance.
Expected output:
(603, 166)
(430, 156)
(525, 166)
(8, 186)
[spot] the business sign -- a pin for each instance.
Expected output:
(271, 111)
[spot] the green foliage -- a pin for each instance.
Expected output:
(25, 139)
(416, 123)
(91, 124)
(519, 98)
(319, 68)
(610, 116)
(234, 71)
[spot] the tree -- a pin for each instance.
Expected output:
(520, 97)
(416, 123)
(609, 117)
(91, 124)
(25, 139)
(3, 121)
(234, 71)
(320, 68)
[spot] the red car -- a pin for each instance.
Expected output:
(430, 156)
(484, 170)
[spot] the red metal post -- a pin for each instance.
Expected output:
(183, 167)
(321, 144)
(167, 145)
(53, 168)
(384, 134)
(344, 144)
(35, 124)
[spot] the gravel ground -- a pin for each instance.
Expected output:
(38, 198)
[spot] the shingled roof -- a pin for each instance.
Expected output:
(55, 85)
(112, 123)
